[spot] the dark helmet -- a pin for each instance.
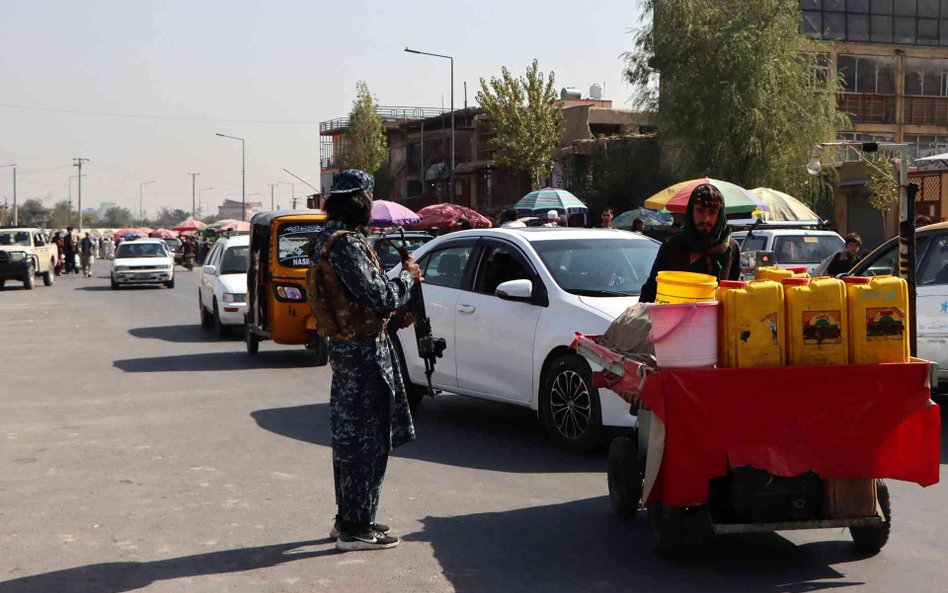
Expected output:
(351, 180)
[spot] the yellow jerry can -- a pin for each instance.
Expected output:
(879, 319)
(817, 324)
(753, 324)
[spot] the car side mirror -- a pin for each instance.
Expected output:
(515, 290)
(210, 269)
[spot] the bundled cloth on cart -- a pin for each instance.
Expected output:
(858, 421)
(628, 335)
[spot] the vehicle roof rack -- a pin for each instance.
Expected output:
(760, 224)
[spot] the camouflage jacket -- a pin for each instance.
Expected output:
(355, 363)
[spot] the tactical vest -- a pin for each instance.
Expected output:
(338, 316)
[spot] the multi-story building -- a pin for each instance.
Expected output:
(892, 56)
(232, 209)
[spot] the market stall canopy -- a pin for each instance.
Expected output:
(543, 200)
(446, 216)
(163, 234)
(736, 199)
(783, 207)
(385, 213)
(128, 231)
(238, 226)
(650, 217)
(189, 225)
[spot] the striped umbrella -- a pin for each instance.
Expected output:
(543, 200)
(674, 198)
(783, 206)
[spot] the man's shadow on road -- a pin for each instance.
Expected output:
(582, 546)
(218, 361)
(180, 334)
(114, 577)
(453, 430)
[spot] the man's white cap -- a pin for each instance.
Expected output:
(551, 214)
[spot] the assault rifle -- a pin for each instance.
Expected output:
(430, 348)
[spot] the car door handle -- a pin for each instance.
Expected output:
(466, 308)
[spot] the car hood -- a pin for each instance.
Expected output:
(143, 261)
(15, 248)
(235, 283)
(611, 307)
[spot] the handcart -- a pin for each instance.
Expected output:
(719, 451)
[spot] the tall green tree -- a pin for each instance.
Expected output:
(117, 217)
(366, 146)
(526, 119)
(737, 94)
(61, 216)
(31, 211)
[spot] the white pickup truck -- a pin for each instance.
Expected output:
(26, 253)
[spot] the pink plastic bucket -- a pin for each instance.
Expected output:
(685, 335)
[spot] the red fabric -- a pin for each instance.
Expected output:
(868, 421)
(446, 216)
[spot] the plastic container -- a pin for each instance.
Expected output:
(684, 287)
(817, 325)
(685, 335)
(878, 317)
(799, 271)
(753, 325)
(723, 287)
(775, 273)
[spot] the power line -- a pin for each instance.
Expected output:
(161, 117)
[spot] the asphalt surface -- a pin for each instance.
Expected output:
(139, 452)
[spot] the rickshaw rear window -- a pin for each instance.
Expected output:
(293, 237)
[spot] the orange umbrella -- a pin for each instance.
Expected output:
(188, 225)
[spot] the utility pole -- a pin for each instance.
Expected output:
(77, 162)
(272, 185)
(16, 218)
(193, 211)
(293, 187)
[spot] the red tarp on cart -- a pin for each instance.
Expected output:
(857, 421)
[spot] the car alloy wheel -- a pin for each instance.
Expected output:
(570, 404)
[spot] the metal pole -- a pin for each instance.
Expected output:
(292, 188)
(272, 185)
(451, 178)
(193, 177)
(16, 216)
(78, 163)
(243, 181)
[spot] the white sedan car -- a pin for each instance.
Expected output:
(222, 292)
(143, 261)
(508, 302)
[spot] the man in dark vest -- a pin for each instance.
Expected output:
(703, 244)
(352, 300)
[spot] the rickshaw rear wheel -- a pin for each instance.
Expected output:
(625, 477)
(253, 342)
(872, 539)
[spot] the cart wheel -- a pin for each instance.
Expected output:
(625, 477)
(872, 539)
(667, 529)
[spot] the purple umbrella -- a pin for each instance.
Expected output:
(385, 213)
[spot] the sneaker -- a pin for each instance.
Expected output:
(336, 529)
(365, 540)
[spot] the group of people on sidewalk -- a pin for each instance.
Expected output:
(77, 254)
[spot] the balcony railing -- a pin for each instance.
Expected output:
(926, 110)
(387, 114)
(866, 108)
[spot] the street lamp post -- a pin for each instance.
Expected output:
(272, 185)
(16, 216)
(141, 212)
(243, 175)
(451, 176)
(193, 177)
(200, 203)
(293, 188)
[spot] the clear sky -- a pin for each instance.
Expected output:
(192, 65)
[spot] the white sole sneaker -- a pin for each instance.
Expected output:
(350, 544)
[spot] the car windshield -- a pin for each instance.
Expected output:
(15, 238)
(598, 267)
(806, 248)
(129, 250)
(235, 260)
(173, 244)
(293, 239)
(387, 253)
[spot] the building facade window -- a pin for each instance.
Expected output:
(923, 145)
(926, 77)
(867, 74)
(910, 22)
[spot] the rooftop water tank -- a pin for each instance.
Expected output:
(571, 93)
(595, 91)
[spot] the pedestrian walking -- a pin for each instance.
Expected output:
(87, 254)
(60, 257)
(846, 259)
(509, 219)
(703, 244)
(352, 301)
(605, 218)
(552, 219)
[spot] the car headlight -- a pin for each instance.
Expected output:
(120, 268)
(17, 255)
(234, 297)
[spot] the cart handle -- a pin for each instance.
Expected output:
(651, 336)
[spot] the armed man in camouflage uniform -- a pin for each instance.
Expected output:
(368, 409)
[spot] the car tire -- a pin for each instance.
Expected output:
(49, 276)
(207, 321)
(569, 405)
(415, 393)
(251, 339)
(115, 284)
(220, 330)
(625, 476)
(872, 539)
(170, 283)
(29, 281)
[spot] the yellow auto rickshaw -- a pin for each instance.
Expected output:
(276, 281)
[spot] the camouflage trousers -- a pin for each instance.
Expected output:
(359, 419)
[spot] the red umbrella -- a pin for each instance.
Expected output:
(163, 234)
(188, 225)
(446, 216)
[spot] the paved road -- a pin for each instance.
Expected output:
(140, 452)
